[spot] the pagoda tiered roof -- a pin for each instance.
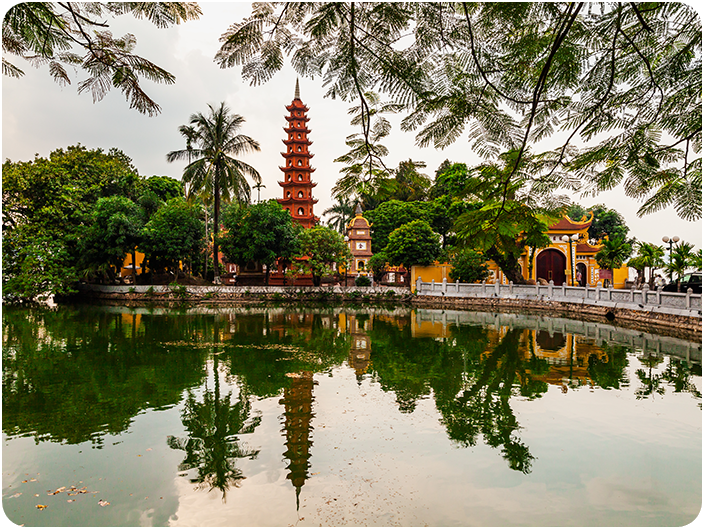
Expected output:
(302, 169)
(298, 118)
(302, 154)
(289, 130)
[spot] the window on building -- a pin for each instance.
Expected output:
(300, 194)
(288, 194)
(360, 265)
(299, 135)
(300, 177)
(301, 212)
(360, 232)
(298, 149)
(361, 245)
(300, 163)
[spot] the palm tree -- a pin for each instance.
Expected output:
(212, 143)
(340, 214)
(648, 256)
(682, 258)
(613, 253)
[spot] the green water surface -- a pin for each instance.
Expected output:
(116, 416)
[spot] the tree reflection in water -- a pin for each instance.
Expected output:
(212, 446)
(482, 406)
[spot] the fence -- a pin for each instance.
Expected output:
(686, 304)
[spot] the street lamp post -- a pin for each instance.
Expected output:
(347, 241)
(667, 240)
(569, 240)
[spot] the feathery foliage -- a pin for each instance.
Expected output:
(621, 81)
(74, 35)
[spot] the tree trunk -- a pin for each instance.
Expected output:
(134, 266)
(216, 229)
(508, 265)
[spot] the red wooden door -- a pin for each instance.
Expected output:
(551, 266)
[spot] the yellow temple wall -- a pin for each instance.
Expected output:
(127, 264)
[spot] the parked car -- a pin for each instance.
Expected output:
(692, 280)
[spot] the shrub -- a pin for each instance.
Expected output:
(362, 281)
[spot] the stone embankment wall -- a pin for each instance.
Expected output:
(644, 309)
(241, 294)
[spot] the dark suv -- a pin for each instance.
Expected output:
(692, 280)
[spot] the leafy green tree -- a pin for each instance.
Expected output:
(412, 244)
(36, 265)
(408, 183)
(509, 75)
(319, 249)
(211, 162)
(175, 233)
(378, 265)
(450, 179)
(74, 34)
(613, 253)
(260, 232)
(607, 222)
(116, 230)
(164, 187)
(391, 215)
(47, 204)
(468, 266)
(510, 218)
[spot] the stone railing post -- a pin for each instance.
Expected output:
(658, 298)
(564, 289)
(419, 285)
(645, 294)
(597, 296)
(551, 285)
(510, 288)
(497, 288)
(484, 288)
(444, 286)
(457, 287)
(688, 298)
(432, 286)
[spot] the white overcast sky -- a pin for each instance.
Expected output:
(39, 116)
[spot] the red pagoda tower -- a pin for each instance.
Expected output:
(297, 184)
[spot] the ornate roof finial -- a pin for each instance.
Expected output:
(358, 210)
(297, 95)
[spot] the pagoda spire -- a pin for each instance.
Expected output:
(298, 185)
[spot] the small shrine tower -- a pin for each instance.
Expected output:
(297, 184)
(360, 241)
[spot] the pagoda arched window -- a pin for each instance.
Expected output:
(298, 149)
(299, 136)
(288, 194)
(300, 163)
(300, 194)
(300, 177)
(301, 212)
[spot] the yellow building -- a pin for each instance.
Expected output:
(570, 258)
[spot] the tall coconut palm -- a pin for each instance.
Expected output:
(213, 141)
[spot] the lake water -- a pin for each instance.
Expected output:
(117, 416)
